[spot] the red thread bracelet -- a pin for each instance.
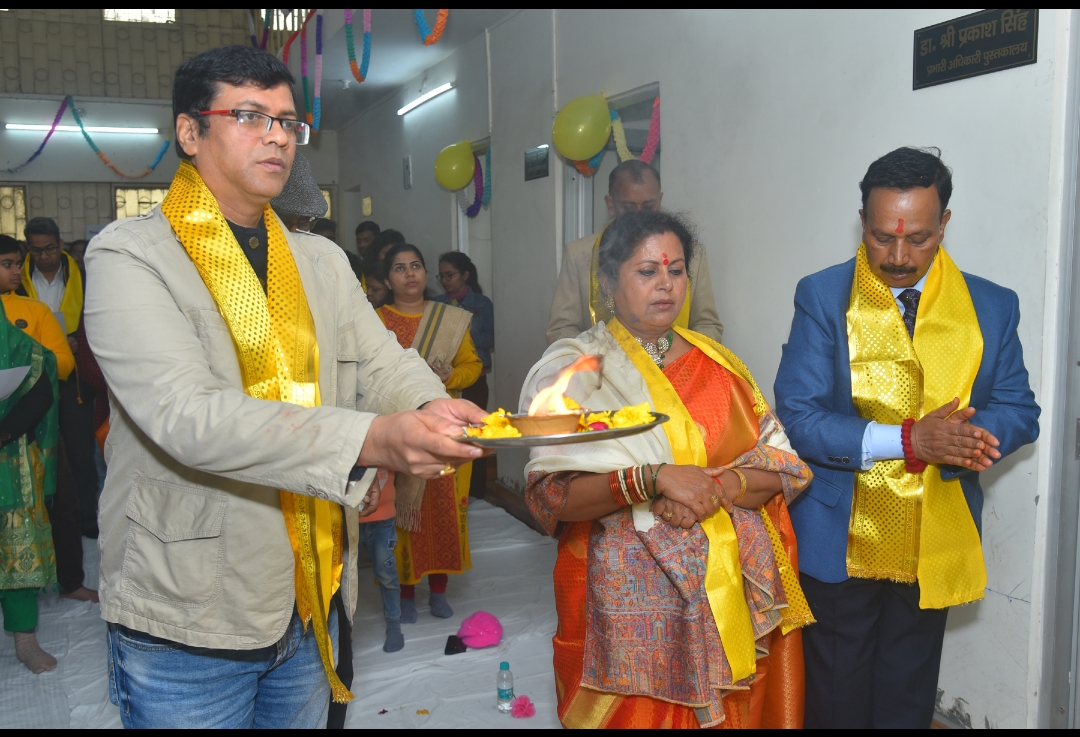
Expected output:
(911, 463)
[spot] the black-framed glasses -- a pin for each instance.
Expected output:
(51, 249)
(257, 125)
(448, 275)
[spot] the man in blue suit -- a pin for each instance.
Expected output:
(872, 658)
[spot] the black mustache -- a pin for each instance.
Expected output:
(898, 269)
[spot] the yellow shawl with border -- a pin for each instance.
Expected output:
(71, 303)
(904, 526)
(274, 336)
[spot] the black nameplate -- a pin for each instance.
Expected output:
(536, 163)
(980, 43)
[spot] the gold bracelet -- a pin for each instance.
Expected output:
(742, 484)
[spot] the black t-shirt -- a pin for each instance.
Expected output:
(253, 242)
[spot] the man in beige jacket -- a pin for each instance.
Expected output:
(202, 562)
(632, 185)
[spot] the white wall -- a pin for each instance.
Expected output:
(770, 120)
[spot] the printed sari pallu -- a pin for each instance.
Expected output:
(433, 528)
(661, 626)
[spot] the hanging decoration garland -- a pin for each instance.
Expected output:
(653, 139)
(318, 72)
(104, 158)
(619, 134)
(427, 35)
(251, 28)
(267, 20)
(487, 178)
(303, 72)
(288, 44)
(64, 105)
(359, 72)
(56, 121)
(482, 193)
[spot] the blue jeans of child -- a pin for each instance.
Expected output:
(380, 538)
(158, 683)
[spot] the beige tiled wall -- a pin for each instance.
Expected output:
(77, 52)
(73, 205)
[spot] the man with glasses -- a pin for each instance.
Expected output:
(52, 276)
(255, 391)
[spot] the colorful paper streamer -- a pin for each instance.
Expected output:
(427, 35)
(317, 117)
(480, 192)
(69, 102)
(359, 72)
(487, 177)
(268, 19)
(652, 141)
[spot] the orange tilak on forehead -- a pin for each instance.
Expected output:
(900, 226)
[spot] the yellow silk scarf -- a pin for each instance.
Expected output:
(907, 527)
(599, 311)
(723, 572)
(276, 345)
(72, 301)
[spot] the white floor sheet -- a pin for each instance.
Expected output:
(415, 687)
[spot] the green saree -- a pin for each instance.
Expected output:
(27, 470)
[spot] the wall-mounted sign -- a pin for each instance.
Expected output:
(980, 43)
(536, 162)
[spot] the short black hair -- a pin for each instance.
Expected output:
(463, 263)
(635, 169)
(42, 226)
(323, 225)
(907, 168)
(625, 233)
(196, 82)
(9, 245)
(368, 225)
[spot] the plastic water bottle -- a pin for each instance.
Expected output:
(505, 684)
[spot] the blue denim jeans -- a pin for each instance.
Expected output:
(162, 684)
(380, 538)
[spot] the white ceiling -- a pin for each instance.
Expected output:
(397, 55)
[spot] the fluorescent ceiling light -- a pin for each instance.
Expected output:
(75, 128)
(425, 97)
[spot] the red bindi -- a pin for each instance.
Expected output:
(900, 226)
(665, 259)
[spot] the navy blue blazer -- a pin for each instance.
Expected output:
(813, 400)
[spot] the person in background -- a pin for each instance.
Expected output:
(36, 320)
(457, 274)
(53, 276)
(902, 380)
(433, 536)
(325, 227)
(578, 305)
(383, 243)
(377, 293)
(28, 442)
(366, 233)
(378, 535)
(77, 249)
(328, 229)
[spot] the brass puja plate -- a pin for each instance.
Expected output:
(565, 438)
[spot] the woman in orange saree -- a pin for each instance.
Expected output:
(676, 582)
(432, 520)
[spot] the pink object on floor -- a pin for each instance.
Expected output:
(522, 707)
(480, 630)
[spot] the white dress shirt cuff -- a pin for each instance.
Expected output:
(881, 443)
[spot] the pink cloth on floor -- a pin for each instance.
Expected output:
(480, 630)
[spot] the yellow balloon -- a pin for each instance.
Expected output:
(582, 127)
(455, 165)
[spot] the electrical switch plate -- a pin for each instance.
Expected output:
(406, 166)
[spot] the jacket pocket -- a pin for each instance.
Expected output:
(175, 546)
(824, 489)
(348, 360)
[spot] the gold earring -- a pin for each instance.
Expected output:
(609, 302)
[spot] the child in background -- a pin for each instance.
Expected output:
(378, 536)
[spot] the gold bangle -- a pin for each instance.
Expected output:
(742, 484)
